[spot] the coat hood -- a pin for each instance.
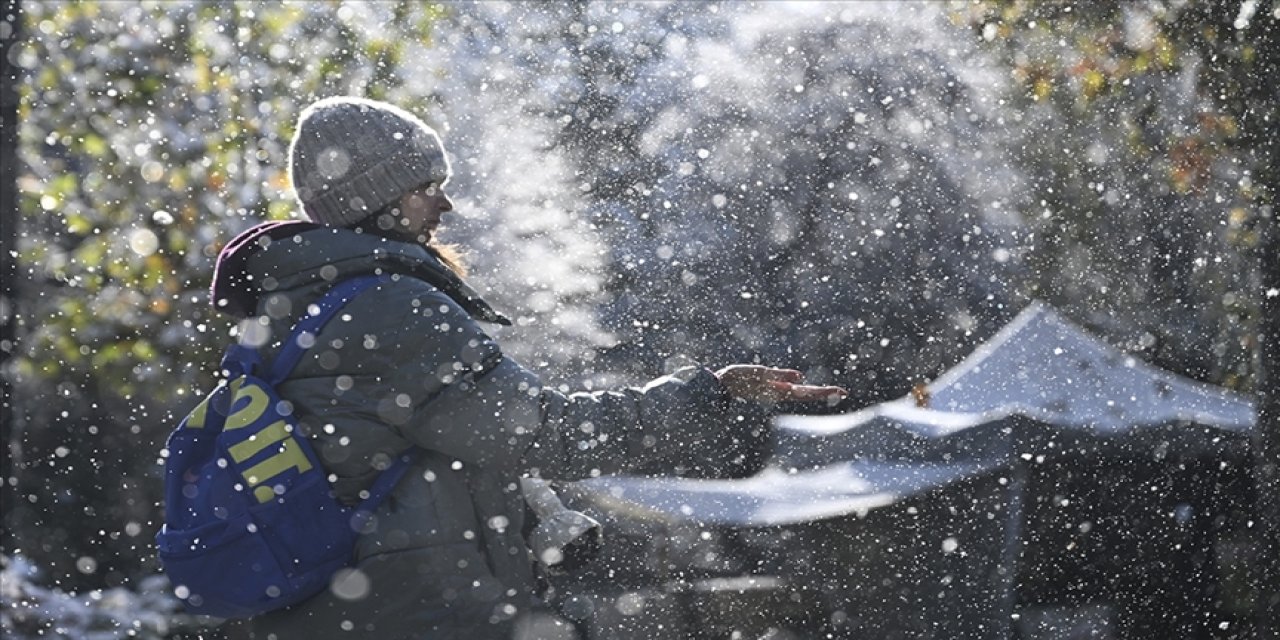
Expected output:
(285, 255)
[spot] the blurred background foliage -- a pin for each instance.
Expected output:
(1144, 124)
(864, 191)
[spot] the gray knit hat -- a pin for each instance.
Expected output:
(351, 157)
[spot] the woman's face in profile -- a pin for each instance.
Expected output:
(422, 209)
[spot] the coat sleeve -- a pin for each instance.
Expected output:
(470, 401)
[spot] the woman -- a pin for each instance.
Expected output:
(406, 364)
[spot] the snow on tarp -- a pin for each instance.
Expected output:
(775, 497)
(1040, 382)
(1044, 367)
(890, 431)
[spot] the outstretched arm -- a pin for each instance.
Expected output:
(484, 408)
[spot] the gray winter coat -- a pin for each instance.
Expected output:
(405, 364)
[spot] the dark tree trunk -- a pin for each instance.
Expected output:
(10, 33)
(1268, 441)
(1260, 129)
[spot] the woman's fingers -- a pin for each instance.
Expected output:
(762, 374)
(805, 392)
(808, 392)
(768, 384)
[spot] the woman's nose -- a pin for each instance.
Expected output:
(445, 203)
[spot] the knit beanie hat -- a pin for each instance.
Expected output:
(351, 157)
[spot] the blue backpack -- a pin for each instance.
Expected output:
(251, 522)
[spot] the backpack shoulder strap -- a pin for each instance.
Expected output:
(304, 333)
(388, 479)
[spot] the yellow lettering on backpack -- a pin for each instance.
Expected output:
(256, 406)
(250, 447)
(288, 456)
(196, 419)
(264, 494)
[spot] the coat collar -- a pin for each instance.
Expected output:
(291, 255)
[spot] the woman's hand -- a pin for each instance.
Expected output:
(767, 384)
